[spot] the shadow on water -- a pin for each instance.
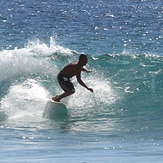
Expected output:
(3, 116)
(55, 112)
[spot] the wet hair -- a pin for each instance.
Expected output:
(82, 56)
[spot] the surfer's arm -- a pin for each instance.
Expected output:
(85, 70)
(82, 83)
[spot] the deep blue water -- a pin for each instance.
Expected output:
(121, 121)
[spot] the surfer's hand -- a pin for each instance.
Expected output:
(85, 70)
(88, 71)
(90, 89)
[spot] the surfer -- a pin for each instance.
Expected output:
(72, 69)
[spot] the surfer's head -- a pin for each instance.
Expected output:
(83, 59)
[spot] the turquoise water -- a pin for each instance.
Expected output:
(121, 121)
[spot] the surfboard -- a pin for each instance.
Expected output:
(56, 103)
(55, 110)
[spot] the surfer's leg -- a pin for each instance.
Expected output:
(55, 97)
(63, 95)
(66, 85)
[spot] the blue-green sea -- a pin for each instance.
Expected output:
(121, 121)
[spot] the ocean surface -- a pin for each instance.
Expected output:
(122, 121)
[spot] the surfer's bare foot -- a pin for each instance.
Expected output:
(55, 98)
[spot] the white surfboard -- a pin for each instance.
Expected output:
(55, 110)
(56, 103)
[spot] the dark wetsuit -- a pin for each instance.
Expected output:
(65, 83)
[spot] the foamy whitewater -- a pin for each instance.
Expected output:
(121, 121)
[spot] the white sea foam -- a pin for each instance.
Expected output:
(42, 49)
(27, 60)
(25, 99)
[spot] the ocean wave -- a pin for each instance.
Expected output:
(127, 88)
